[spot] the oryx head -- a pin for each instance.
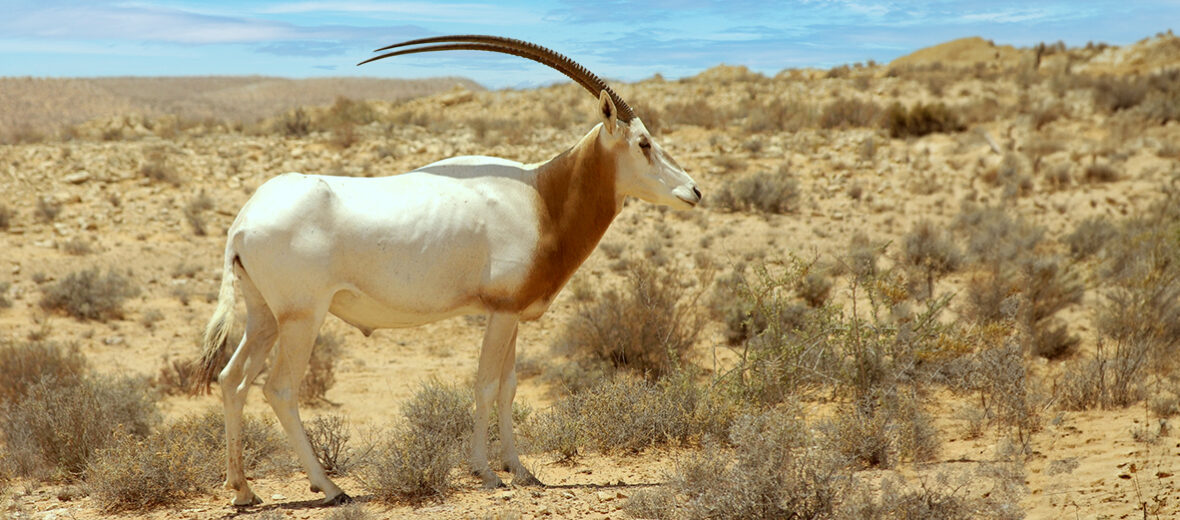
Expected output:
(643, 169)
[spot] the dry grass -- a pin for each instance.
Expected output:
(766, 192)
(24, 364)
(921, 119)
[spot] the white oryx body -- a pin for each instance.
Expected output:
(469, 235)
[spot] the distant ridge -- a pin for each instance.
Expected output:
(46, 104)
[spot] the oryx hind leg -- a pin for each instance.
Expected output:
(235, 380)
(297, 332)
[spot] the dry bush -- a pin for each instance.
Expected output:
(1007, 395)
(698, 113)
(649, 327)
(1089, 237)
(624, 415)
(294, 123)
(55, 429)
(4, 301)
(6, 215)
(156, 167)
(321, 369)
(1163, 103)
(766, 192)
(415, 463)
(329, 437)
(177, 377)
(1113, 94)
(1107, 379)
(76, 246)
(1048, 287)
(1100, 172)
(88, 295)
(46, 210)
(194, 212)
(781, 115)
(1011, 175)
(353, 511)
(24, 364)
(849, 113)
(881, 429)
(930, 250)
(769, 472)
(920, 119)
(814, 288)
(179, 460)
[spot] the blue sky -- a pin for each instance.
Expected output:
(619, 39)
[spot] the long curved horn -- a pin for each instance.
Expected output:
(521, 48)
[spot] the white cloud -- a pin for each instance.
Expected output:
(415, 11)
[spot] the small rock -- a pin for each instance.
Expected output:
(77, 178)
(567, 494)
(605, 496)
(118, 340)
(277, 496)
(506, 495)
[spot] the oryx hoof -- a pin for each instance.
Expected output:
(249, 501)
(526, 479)
(490, 480)
(337, 500)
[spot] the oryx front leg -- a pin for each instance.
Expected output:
(511, 459)
(297, 331)
(492, 356)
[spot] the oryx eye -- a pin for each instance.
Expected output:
(645, 144)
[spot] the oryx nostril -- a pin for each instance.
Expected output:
(696, 191)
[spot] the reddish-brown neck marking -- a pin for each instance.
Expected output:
(577, 204)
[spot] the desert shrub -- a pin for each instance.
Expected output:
(4, 301)
(781, 115)
(88, 295)
(1114, 94)
(1048, 287)
(624, 415)
(930, 250)
(295, 123)
(177, 377)
(194, 212)
(849, 113)
(329, 437)
(940, 499)
(1011, 175)
(415, 463)
(1089, 237)
(6, 215)
(353, 511)
(698, 113)
(920, 120)
(321, 369)
(1100, 172)
(59, 425)
(880, 429)
(648, 328)
(814, 288)
(157, 168)
(770, 472)
(46, 210)
(1106, 379)
(1007, 395)
(76, 246)
(24, 364)
(862, 256)
(763, 191)
(181, 459)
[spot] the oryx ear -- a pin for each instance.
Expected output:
(610, 114)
